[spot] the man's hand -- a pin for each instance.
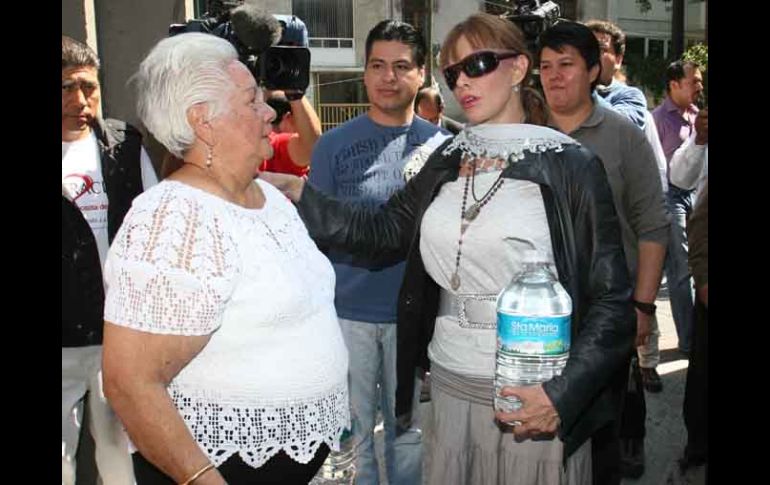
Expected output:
(702, 127)
(290, 185)
(643, 327)
(537, 415)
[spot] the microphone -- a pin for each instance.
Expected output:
(254, 28)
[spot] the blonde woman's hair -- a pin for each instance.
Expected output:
(485, 31)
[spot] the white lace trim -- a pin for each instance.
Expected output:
(273, 374)
(172, 265)
(259, 432)
(506, 141)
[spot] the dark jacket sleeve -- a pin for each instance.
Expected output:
(698, 237)
(383, 234)
(606, 328)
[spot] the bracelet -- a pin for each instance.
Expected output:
(646, 308)
(198, 474)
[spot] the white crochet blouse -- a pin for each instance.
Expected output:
(273, 376)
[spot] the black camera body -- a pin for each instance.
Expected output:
(284, 66)
(533, 17)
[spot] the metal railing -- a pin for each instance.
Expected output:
(333, 114)
(331, 42)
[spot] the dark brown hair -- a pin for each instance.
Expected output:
(607, 27)
(483, 30)
(77, 54)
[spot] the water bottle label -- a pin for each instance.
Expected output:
(533, 335)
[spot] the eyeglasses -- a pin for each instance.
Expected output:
(475, 65)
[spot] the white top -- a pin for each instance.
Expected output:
(186, 262)
(690, 164)
(83, 183)
(493, 246)
(420, 154)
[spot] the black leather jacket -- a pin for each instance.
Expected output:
(82, 303)
(587, 249)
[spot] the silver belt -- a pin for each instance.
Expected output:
(472, 310)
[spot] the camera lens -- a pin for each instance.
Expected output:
(285, 67)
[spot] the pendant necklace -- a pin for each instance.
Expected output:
(469, 215)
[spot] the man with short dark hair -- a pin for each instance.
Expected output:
(429, 105)
(631, 103)
(675, 120)
(104, 166)
(569, 70)
(364, 161)
(296, 129)
(675, 117)
(626, 100)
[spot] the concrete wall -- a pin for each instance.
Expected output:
(595, 9)
(78, 21)
(366, 14)
(446, 14)
(273, 6)
(695, 20)
(654, 23)
(127, 31)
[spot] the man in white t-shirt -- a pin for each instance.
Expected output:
(104, 166)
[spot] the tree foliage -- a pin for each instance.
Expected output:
(648, 73)
(698, 53)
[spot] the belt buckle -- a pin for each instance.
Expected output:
(476, 308)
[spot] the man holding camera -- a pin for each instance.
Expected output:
(296, 128)
(274, 48)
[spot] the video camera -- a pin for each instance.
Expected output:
(273, 47)
(533, 17)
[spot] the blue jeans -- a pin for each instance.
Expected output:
(680, 287)
(372, 350)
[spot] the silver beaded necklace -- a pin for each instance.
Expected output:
(505, 143)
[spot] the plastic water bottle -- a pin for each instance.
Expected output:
(339, 467)
(533, 329)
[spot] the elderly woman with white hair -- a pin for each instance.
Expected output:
(222, 352)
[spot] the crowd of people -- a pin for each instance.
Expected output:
(281, 288)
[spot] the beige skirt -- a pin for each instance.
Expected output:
(466, 447)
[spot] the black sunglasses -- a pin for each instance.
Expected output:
(475, 65)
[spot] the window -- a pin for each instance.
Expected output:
(642, 47)
(326, 19)
(657, 48)
(342, 87)
(635, 46)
